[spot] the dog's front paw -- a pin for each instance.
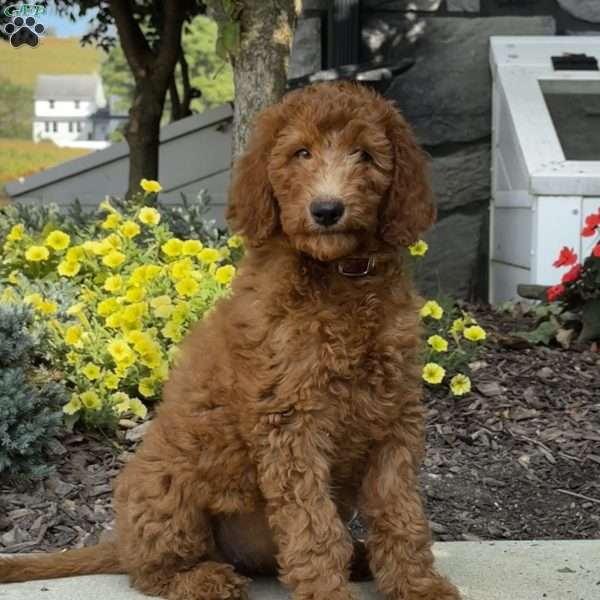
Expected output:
(344, 593)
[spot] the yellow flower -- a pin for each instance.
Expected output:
(107, 206)
(172, 330)
(113, 241)
(113, 284)
(73, 405)
(108, 307)
(432, 309)
(130, 229)
(16, 233)
(146, 387)
(37, 253)
(120, 350)
(91, 400)
(75, 309)
(121, 402)
(73, 335)
(13, 277)
(474, 333)
(181, 269)
(162, 306)
(173, 247)
(438, 343)
(91, 371)
(209, 255)
(152, 272)
(224, 253)
(460, 384)
(113, 259)
(111, 381)
(192, 247)
(74, 253)
(458, 326)
(34, 299)
(418, 248)
(235, 241)
(149, 216)
(58, 240)
(433, 373)
(134, 312)
(47, 307)
(135, 294)
(187, 287)
(162, 371)
(137, 407)
(151, 359)
(114, 321)
(72, 358)
(111, 221)
(150, 185)
(68, 268)
(225, 274)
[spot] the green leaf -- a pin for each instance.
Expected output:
(590, 318)
(544, 333)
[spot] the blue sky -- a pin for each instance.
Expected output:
(63, 26)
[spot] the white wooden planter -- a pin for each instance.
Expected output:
(545, 158)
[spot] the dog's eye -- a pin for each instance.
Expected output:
(363, 155)
(302, 153)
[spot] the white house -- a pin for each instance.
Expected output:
(72, 110)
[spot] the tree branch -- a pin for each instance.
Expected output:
(134, 44)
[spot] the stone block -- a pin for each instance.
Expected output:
(446, 96)
(586, 10)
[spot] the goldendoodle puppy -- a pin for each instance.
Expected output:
(299, 397)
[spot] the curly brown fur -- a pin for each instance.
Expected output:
(299, 398)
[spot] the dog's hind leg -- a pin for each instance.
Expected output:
(165, 537)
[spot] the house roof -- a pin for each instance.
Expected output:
(66, 87)
(114, 152)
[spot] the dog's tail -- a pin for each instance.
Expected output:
(102, 558)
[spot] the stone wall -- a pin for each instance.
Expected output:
(446, 97)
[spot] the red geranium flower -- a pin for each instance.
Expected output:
(566, 258)
(591, 224)
(572, 274)
(554, 292)
(596, 250)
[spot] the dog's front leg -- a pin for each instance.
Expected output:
(399, 539)
(314, 547)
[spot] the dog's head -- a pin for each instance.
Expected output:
(327, 166)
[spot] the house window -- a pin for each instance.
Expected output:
(54, 126)
(70, 126)
(79, 126)
(76, 103)
(47, 126)
(51, 103)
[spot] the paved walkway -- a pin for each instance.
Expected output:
(566, 570)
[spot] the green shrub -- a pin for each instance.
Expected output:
(29, 404)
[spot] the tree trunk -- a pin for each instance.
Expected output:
(142, 134)
(261, 65)
(153, 70)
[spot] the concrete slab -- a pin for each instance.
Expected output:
(544, 570)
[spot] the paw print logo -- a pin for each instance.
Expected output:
(24, 31)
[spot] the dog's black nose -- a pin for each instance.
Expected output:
(327, 212)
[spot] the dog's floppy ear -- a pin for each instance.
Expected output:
(252, 210)
(408, 211)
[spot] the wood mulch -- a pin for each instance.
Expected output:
(518, 458)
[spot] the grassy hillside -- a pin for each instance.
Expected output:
(53, 56)
(19, 158)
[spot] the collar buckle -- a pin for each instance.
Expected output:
(356, 266)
